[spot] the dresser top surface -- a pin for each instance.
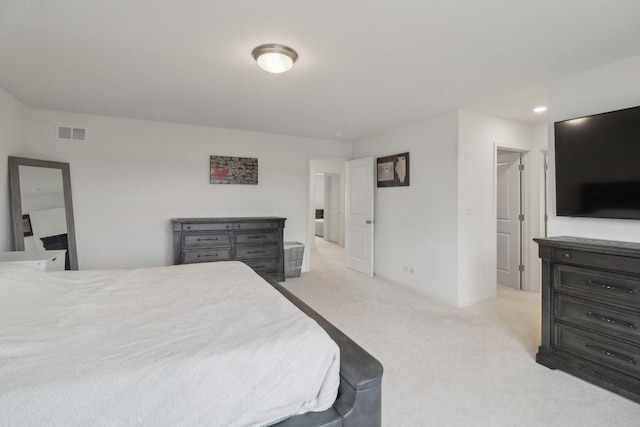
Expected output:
(593, 245)
(228, 219)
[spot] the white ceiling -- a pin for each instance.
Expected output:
(365, 66)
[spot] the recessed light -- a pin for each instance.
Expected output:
(540, 109)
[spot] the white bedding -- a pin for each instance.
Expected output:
(199, 344)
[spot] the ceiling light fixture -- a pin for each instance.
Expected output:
(275, 58)
(540, 109)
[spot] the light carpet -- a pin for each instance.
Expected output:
(446, 366)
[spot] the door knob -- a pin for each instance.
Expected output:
(369, 221)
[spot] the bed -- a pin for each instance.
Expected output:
(193, 344)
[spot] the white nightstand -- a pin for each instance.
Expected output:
(42, 260)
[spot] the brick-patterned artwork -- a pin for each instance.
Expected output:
(233, 170)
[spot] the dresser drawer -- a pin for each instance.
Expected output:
(249, 252)
(204, 240)
(597, 348)
(207, 226)
(255, 225)
(263, 265)
(595, 260)
(258, 241)
(612, 287)
(189, 257)
(609, 320)
(256, 237)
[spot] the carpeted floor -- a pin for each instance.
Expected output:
(446, 366)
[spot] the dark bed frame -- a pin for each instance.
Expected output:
(359, 395)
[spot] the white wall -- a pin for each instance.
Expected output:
(131, 177)
(13, 126)
(417, 225)
(479, 135)
(319, 191)
(537, 196)
(610, 87)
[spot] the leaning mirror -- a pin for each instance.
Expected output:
(42, 208)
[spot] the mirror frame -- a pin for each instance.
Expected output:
(16, 203)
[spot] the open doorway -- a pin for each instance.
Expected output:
(326, 208)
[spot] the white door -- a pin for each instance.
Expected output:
(508, 217)
(332, 207)
(359, 218)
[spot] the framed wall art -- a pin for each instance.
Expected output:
(233, 170)
(393, 171)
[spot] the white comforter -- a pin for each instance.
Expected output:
(200, 344)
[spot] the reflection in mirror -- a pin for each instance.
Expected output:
(41, 207)
(42, 199)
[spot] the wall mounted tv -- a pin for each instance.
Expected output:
(598, 165)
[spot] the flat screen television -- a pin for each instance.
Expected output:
(597, 165)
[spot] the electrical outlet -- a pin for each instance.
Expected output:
(412, 270)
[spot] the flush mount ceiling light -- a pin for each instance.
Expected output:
(540, 109)
(274, 58)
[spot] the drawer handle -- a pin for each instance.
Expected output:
(612, 288)
(611, 353)
(611, 320)
(256, 252)
(207, 255)
(566, 255)
(213, 239)
(256, 237)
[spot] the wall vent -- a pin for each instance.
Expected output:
(69, 133)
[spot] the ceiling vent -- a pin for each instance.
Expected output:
(68, 133)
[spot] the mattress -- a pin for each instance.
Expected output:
(196, 344)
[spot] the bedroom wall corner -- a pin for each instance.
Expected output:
(13, 131)
(416, 226)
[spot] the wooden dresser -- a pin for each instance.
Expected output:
(258, 242)
(591, 311)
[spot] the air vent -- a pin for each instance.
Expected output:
(70, 133)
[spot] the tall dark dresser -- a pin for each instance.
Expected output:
(256, 241)
(591, 311)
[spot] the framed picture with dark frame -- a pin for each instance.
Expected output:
(393, 171)
(26, 225)
(233, 170)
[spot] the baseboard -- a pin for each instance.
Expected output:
(475, 301)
